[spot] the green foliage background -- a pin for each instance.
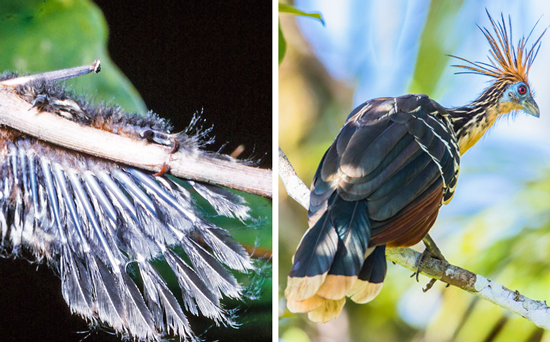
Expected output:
(40, 36)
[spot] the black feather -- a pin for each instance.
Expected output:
(353, 227)
(375, 266)
(317, 249)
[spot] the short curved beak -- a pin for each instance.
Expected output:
(530, 107)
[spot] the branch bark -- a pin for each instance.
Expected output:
(16, 113)
(533, 310)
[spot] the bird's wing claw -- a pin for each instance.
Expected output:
(161, 138)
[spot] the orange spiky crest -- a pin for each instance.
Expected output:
(507, 63)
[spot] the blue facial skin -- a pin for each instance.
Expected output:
(520, 93)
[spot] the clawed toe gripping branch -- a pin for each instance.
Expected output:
(535, 311)
(431, 251)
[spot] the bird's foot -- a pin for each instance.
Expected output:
(431, 251)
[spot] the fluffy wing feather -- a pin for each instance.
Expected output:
(90, 219)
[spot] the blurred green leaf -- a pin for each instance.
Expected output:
(282, 44)
(435, 45)
(284, 8)
(40, 36)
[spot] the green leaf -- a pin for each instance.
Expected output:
(282, 44)
(284, 8)
(434, 47)
(40, 36)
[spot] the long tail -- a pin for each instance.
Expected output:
(101, 226)
(333, 261)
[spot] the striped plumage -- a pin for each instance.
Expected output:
(103, 227)
(383, 180)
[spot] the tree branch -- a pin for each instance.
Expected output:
(535, 311)
(18, 114)
(300, 192)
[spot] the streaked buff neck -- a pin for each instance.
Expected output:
(471, 125)
(471, 122)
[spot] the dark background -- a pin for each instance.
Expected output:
(191, 55)
(182, 57)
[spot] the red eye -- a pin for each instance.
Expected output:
(522, 90)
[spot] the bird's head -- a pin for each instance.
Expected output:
(518, 96)
(509, 66)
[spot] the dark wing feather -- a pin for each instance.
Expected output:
(395, 170)
(352, 225)
(317, 248)
(370, 277)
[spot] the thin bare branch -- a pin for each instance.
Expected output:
(18, 114)
(57, 75)
(535, 311)
(293, 184)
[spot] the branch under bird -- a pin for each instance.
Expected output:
(393, 165)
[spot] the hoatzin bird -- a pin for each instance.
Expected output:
(382, 181)
(105, 228)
